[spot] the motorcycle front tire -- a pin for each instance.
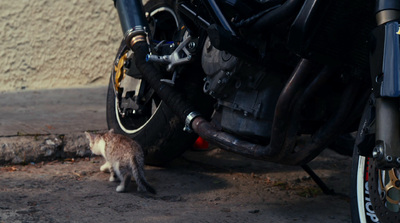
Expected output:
(366, 198)
(161, 135)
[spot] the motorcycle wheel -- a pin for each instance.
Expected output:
(370, 194)
(157, 130)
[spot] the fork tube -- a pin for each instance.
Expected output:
(387, 10)
(387, 132)
(385, 71)
(132, 18)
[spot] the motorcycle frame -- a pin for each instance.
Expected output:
(384, 57)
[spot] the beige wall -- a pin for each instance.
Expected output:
(57, 43)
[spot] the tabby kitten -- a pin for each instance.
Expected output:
(124, 158)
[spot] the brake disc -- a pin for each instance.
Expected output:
(384, 191)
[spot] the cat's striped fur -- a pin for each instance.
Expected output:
(124, 158)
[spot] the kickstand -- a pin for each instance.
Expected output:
(318, 180)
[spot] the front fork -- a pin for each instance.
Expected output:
(385, 72)
(132, 19)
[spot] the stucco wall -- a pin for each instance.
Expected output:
(57, 43)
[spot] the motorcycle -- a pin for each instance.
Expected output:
(276, 80)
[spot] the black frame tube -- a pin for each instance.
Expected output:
(277, 15)
(220, 17)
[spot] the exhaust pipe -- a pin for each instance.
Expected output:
(231, 143)
(280, 123)
(194, 121)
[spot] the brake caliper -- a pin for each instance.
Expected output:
(120, 71)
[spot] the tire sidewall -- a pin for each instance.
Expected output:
(161, 138)
(361, 206)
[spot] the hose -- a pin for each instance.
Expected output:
(173, 99)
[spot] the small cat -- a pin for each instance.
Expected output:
(124, 158)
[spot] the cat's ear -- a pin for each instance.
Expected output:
(89, 136)
(111, 131)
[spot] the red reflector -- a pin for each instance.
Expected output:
(200, 144)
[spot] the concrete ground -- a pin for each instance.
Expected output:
(43, 130)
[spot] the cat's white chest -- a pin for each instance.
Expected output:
(101, 147)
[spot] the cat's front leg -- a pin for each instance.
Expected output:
(106, 167)
(113, 176)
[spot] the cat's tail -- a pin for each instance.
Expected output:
(138, 174)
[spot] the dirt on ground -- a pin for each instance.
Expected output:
(213, 186)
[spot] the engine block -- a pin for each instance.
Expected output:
(246, 94)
